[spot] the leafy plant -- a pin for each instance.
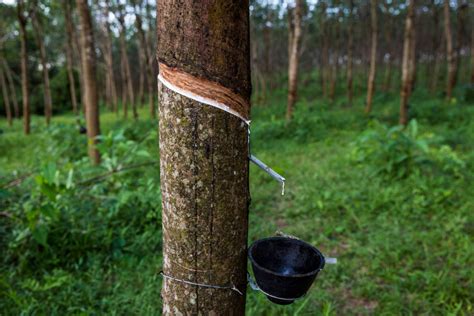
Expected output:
(398, 152)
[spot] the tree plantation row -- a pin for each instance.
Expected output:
(382, 44)
(132, 182)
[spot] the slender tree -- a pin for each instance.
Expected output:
(109, 60)
(388, 43)
(350, 52)
(23, 20)
(6, 99)
(203, 47)
(436, 43)
(146, 67)
(69, 55)
(90, 87)
(451, 59)
(293, 59)
(127, 84)
(11, 85)
(39, 37)
(462, 12)
(472, 55)
(373, 56)
(408, 48)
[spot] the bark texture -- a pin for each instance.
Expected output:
(293, 59)
(90, 84)
(451, 59)
(204, 158)
(373, 56)
(22, 19)
(408, 53)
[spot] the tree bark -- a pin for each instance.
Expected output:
(127, 74)
(11, 85)
(406, 63)
(350, 52)
(373, 56)
(451, 59)
(38, 30)
(24, 67)
(69, 59)
(90, 87)
(204, 157)
(293, 60)
(6, 99)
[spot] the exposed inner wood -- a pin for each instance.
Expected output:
(206, 89)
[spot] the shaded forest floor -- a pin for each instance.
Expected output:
(394, 206)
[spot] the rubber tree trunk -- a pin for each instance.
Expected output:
(11, 85)
(204, 157)
(127, 74)
(6, 99)
(325, 49)
(472, 55)
(462, 14)
(24, 68)
(90, 87)
(146, 64)
(389, 49)
(69, 59)
(451, 59)
(293, 59)
(350, 52)
(373, 56)
(109, 61)
(436, 43)
(406, 63)
(38, 30)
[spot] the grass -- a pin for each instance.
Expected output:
(404, 245)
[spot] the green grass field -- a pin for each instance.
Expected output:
(396, 207)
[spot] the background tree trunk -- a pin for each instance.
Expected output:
(38, 30)
(109, 60)
(127, 74)
(146, 64)
(389, 49)
(350, 52)
(204, 158)
(406, 64)
(451, 59)
(90, 88)
(472, 55)
(24, 67)
(6, 99)
(293, 60)
(11, 85)
(373, 56)
(69, 59)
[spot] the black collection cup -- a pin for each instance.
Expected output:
(284, 268)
